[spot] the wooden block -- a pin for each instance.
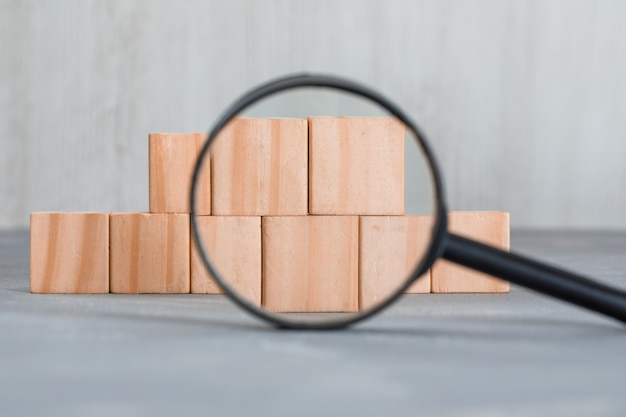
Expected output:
(172, 158)
(491, 228)
(149, 253)
(389, 250)
(356, 166)
(69, 253)
(234, 246)
(260, 168)
(310, 263)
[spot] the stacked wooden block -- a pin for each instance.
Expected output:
(299, 215)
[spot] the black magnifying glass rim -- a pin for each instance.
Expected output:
(289, 82)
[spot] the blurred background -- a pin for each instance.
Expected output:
(524, 101)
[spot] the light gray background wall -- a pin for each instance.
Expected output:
(525, 102)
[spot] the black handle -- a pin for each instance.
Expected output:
(537, 276)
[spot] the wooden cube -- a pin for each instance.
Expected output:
(172, 158)
(390, 249)
(356, 166)
(233, 244)
(69, 253)
(491, 228)
(149, 253)
(310, 263)
(260, 168)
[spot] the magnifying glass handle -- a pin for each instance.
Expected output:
(537, 276)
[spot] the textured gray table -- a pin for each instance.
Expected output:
(514, 354)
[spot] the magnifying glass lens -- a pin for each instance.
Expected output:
(323, 208)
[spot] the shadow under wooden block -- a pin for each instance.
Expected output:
(259, 168)
(149, 253)
(488, 227)
(69, 253)
(172, 158)
(356, 166)
(390, 249)
(233, 244)
(310, 263)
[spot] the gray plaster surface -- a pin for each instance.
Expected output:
(513, 354)
(523, 101)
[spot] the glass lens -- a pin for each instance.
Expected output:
(322, 207)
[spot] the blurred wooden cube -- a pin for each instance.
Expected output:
(310, 263)
(489, 227)
(69, 253)
(233, 244)
(172, 158)
(260, 168)
(390, 249)
(356, 166)
(149, 253)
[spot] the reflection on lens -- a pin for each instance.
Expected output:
(323, 207)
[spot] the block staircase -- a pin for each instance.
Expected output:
(301, 215)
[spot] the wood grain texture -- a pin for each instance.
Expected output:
(390, 248)
(234, 246)
(69, 253)
(489, 227)
(172, 158)
(356, 166)
(310, 263)
(149, 253)
(260, 168)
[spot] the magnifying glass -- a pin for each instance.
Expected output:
(328, 206)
